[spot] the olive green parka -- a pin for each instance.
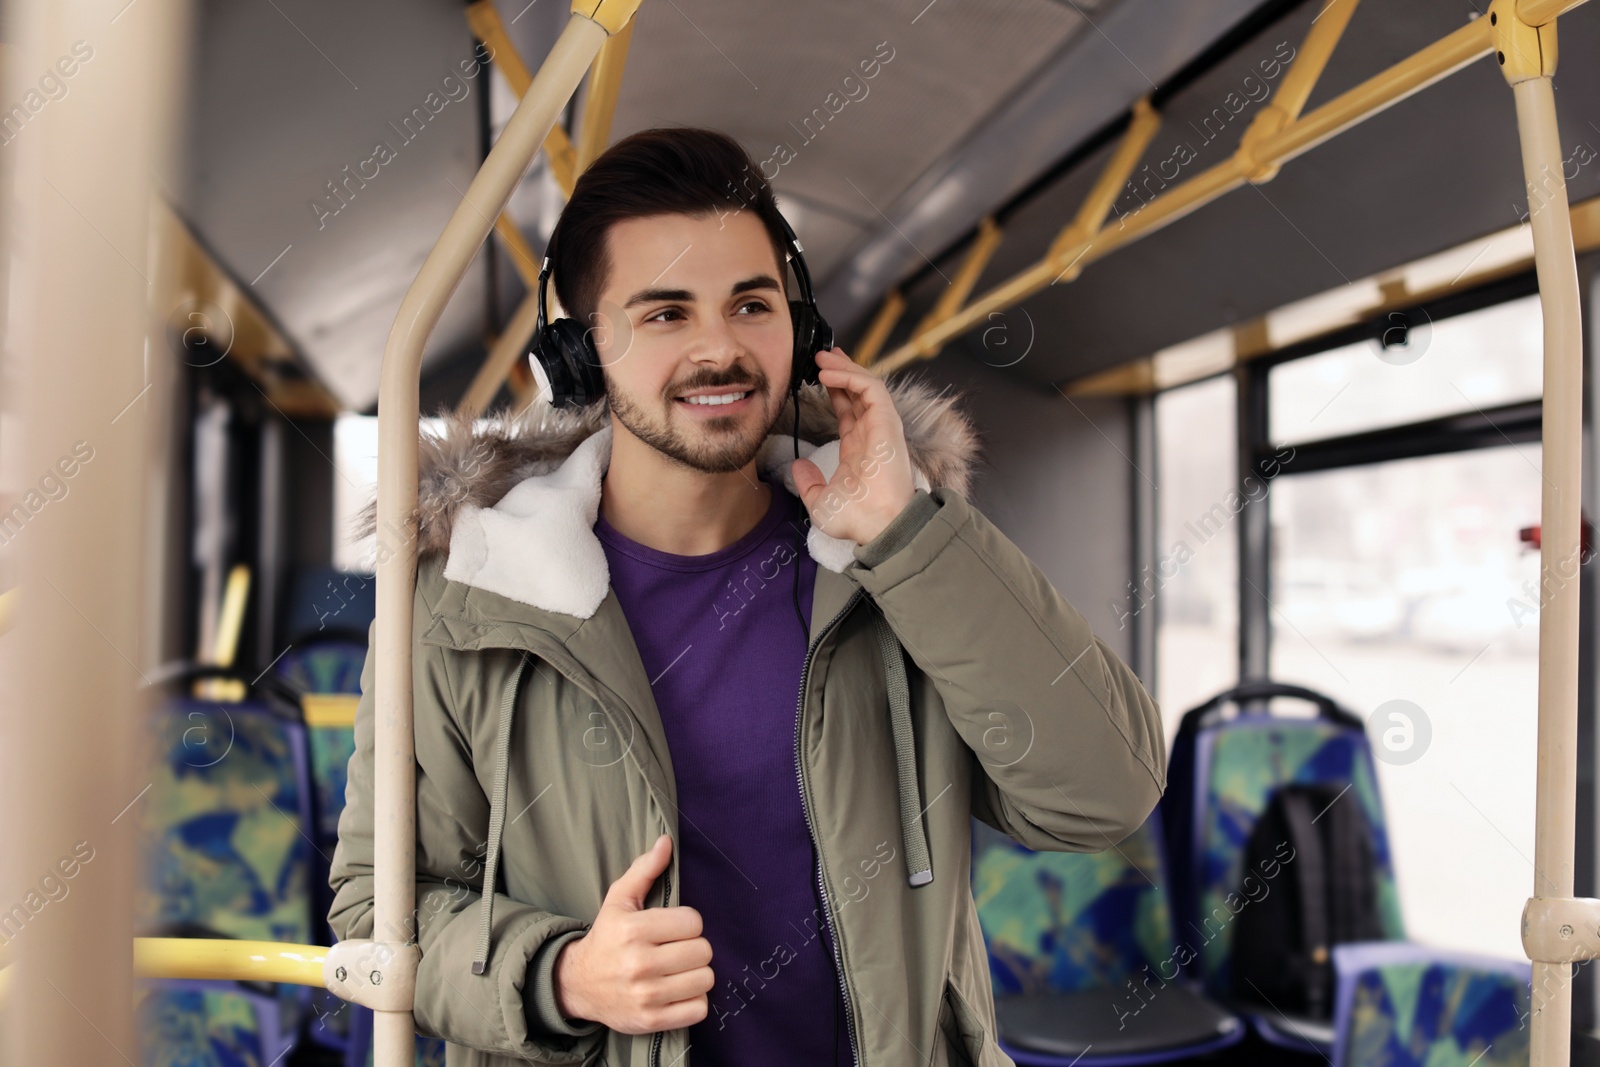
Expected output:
(946, 679)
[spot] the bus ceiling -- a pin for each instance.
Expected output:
(306, 157)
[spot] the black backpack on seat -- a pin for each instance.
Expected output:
(1325, 895)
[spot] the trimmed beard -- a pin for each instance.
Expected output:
(711, 451)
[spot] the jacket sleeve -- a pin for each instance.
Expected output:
(1069, 742)
(511, 1008)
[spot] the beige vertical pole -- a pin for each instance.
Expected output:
(81, 166)
(394, 756)
(1527, 55)
(1559, 545)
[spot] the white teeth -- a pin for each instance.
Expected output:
(723, 398)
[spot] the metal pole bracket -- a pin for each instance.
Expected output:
(1561, 929)
(381, 975)
(612, 15)
(1253, 164)
(1523, 50)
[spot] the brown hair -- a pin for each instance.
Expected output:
(662, 171)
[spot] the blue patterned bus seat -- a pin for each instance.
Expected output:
(1240, 763)
(330, 666)
(1405, 1005)
(225, 823)
(327, 667)
(223, 834)
(1069, 921)
(207, 1024)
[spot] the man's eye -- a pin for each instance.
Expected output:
(664, 311)
(759, 305)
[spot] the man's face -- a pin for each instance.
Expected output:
(694, 334)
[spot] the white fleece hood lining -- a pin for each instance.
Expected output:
(537, 545)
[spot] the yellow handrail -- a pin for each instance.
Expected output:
(1539, 12)
(1439, 60)
(228, 960)
(889, 312)
(220, 960)
(329, 709)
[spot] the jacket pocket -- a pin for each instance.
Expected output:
(967, 1033)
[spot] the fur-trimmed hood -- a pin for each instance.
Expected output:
(513, 504)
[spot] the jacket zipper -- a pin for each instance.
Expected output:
(805, 807)
(822, 887)
(666, 902)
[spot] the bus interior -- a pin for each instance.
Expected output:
(1274, 319)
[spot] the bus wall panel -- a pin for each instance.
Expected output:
(1056, 479)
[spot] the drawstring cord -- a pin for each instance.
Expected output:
(497, 816)
(919, 867)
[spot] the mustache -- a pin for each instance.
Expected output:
(741, 379)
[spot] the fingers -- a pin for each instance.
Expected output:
(658, 926)
(667, 986)
(671, 1016)
(846, 409)
(629, 891)
(866, 392)
(685, 985)
(842, 373)
(678, 957)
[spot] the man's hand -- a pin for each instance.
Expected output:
(873, 482)
(638, 969)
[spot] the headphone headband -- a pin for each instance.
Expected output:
(797, 260)
(541, 318)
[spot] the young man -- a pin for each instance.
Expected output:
(694, 783)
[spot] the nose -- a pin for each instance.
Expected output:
(719, 346)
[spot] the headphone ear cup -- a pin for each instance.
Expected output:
(571, 363)
(805, 347)
(552, 366)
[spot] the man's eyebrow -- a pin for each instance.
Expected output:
(760, 281)
(650, 296)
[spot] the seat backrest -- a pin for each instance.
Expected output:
(1407, 1005)
(1179, 801)
(332, 666)
(225, 823)
(183, 1022)
(327, 667)
(324, 603)
(1069, 921)
(225, 854)
(1238, 764)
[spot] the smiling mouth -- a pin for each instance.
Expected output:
(710, 400)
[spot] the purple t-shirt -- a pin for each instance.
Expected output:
(723, 650)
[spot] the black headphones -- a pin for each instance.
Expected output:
(566, 354)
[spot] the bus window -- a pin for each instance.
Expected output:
(1406, 581)
(1195, 584)
(355, 461)
(1481, 359)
